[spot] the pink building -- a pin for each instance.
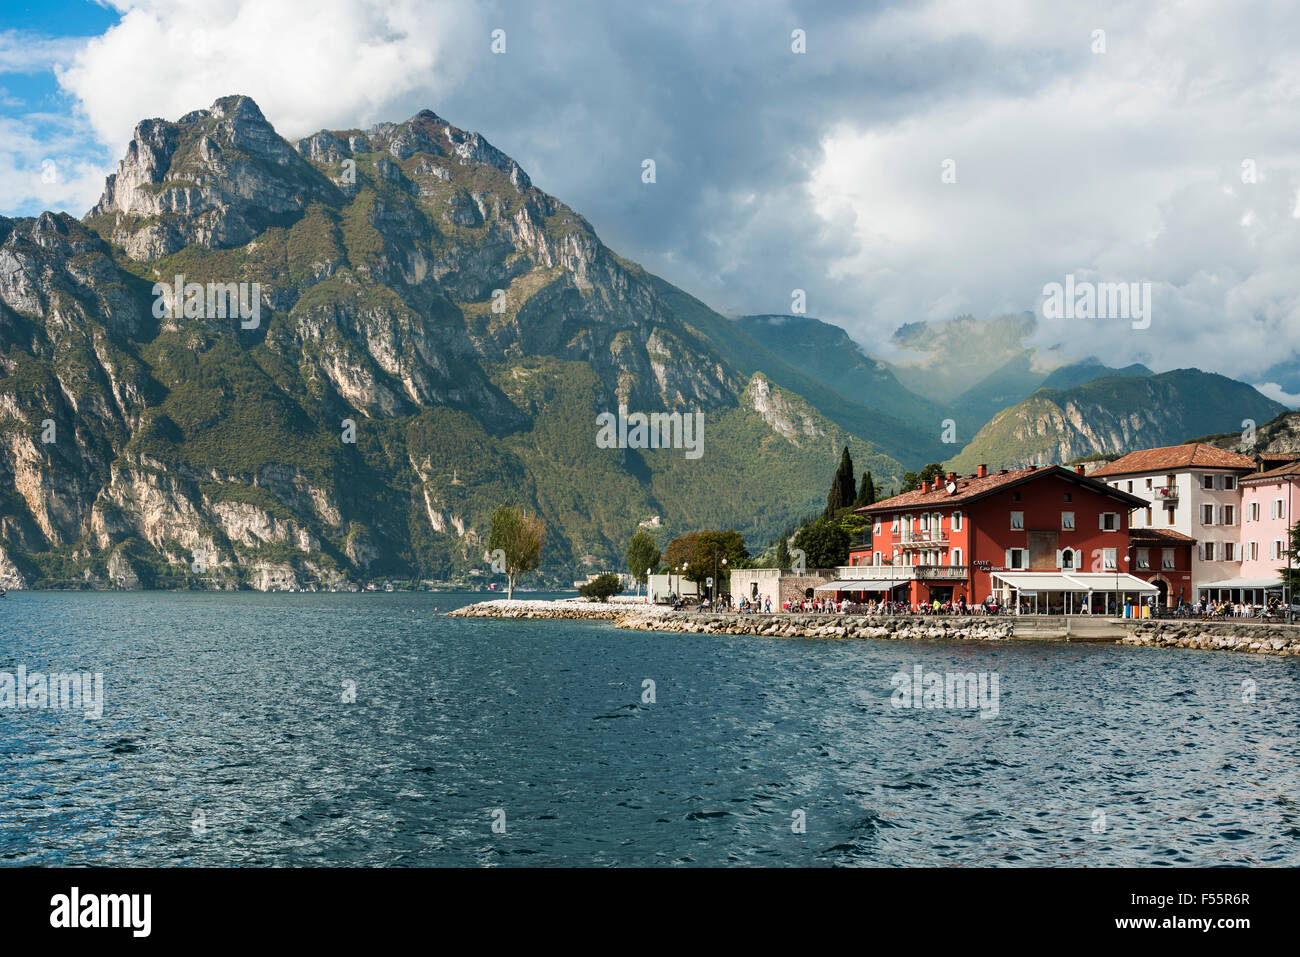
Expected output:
(1267, 501)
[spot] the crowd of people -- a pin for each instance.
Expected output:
(832, 606)
(1207, 609)
(1203, 608)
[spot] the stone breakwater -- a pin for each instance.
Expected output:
(1215, 636)
(827, 626)
(659, 618)
(592, 610)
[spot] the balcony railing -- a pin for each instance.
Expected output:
(1169, 494)
(922, 537)
(902, 572)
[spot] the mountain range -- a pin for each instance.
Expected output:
(433, 336)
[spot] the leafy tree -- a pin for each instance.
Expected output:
(826, 544)
(642, 555)
(913, 481)
(1291, 578)
(842, 491)
(519, 536)
(866, 491)
(681, 549)
(601, 587)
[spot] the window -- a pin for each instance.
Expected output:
(1253, 551)
(1169, 514)
(1171, 481)
(956, 521)
(1017, 520)
(877, 558)
(1148, 485)
(956, 556)
(1207, 551)
(1230, 482)
(1015, 496)
(1167, 559)
(1149, 522)
(894, 525)
(1067, 560)
(875, 529)
(937, 521)
(1276, 553)
(1144, 558)
(1130, 486)
(1068, 498)
(1108, 521)
(1067, 521)
(1229, 515)
(1230, 553)
(1279, 508)
(1108, 559)
(1207, 481)
(1252, 512)
(1015, 558)
(1207, 514)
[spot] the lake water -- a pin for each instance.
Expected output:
(226, 740)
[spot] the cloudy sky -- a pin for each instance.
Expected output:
(919, 161)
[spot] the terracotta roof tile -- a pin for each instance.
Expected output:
(971, 488)
(1175, 457)
(1159, 535)
(1290, 468)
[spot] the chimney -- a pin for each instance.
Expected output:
(1078, 469)
(983, 472)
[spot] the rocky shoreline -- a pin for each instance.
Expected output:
(569, 610)
(1215, 636)
(1209, 636)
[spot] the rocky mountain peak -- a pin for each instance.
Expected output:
(215, 178)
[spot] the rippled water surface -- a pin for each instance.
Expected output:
(225, 741)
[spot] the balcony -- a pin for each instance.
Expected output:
(922, 539)
(902, 572)
(1169, 494)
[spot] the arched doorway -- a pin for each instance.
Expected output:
(1162, 591)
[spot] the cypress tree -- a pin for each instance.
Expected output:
(866, 491)
(843, 489)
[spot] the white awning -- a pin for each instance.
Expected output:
(861, 584)
(1107, 581)
(1244, 583)
(1037, 581)
(1074, 581)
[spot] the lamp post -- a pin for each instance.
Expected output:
(713, 592)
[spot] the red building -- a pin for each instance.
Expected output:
(1045, 538)
(1163, 557)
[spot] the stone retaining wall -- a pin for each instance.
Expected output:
(1215, 636)
(828, 626)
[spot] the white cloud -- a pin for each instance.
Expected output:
(330, 64)
(1278, 394)
(1116, 167)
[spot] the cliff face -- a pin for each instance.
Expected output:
(1113, 415)
(433, 335)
